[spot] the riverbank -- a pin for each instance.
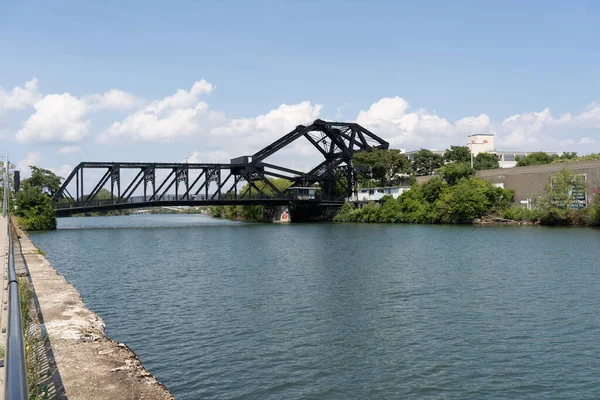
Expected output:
(80, 360)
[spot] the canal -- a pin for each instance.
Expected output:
(227, 310)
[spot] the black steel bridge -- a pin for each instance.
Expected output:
(244, 181)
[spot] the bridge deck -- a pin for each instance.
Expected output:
(108, 205)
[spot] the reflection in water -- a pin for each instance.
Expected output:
(219, 309)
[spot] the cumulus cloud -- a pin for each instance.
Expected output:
(32, 158)
(114, 99)
(544, 131)
(20, 97)
(57, 118)
(279, 121)
(172, 117)
(390, 118)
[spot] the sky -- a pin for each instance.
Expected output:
(206, 81)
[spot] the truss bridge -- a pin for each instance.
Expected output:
(243, 181)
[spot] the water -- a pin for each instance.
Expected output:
(226, 310)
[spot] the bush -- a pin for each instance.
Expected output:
(520, 214)
(34, 210)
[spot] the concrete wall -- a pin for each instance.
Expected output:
(530, 182)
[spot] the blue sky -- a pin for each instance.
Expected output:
(413, 72)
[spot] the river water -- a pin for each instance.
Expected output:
(227, 310)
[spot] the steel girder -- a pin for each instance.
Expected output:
(337, 142)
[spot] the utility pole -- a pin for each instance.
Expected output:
(5, 196)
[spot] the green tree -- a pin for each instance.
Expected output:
(453, 172)
(457, 154)
(46, 180)
(34, 209)
(564, 189)
(267, 190)
(537, 158)
(382, 164)
(485, 161)
(568, 155)
(465, 201)
(433, 188)
(426, 162)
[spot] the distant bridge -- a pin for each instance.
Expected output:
(142, 185)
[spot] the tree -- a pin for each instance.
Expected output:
(464, 201)
(453, 172)
(34, 209)
(44, 179)
(485, 161)
(537, 158)
(564, 190)
(568, 155)
(457, 154)
(382, 164)
(433, 188)
(279, 183)
(562, 203)
(426, 162)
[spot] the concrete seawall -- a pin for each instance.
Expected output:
(82, 362)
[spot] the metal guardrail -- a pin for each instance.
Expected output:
(16, 376)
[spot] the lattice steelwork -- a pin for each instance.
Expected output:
(199, 183)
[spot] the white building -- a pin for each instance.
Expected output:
(375, 194)
(484, 143)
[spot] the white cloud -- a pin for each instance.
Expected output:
(172, 117)
(389, 118)
(216, 156)
(114, 99)
(69, 150)
(543, 131)
(32, 158)
(63, 171)
(18, 97)
(57, 118)
(182, 98)
(278, 121)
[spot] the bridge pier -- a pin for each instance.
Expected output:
(301, 212)
(276, 214)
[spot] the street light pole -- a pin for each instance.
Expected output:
(5, 192)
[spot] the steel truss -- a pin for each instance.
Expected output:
(337, 142)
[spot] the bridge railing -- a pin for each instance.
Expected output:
(191, 199)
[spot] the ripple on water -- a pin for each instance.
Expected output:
(222, 310)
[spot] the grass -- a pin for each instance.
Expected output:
(40, 251)
(34, 345)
